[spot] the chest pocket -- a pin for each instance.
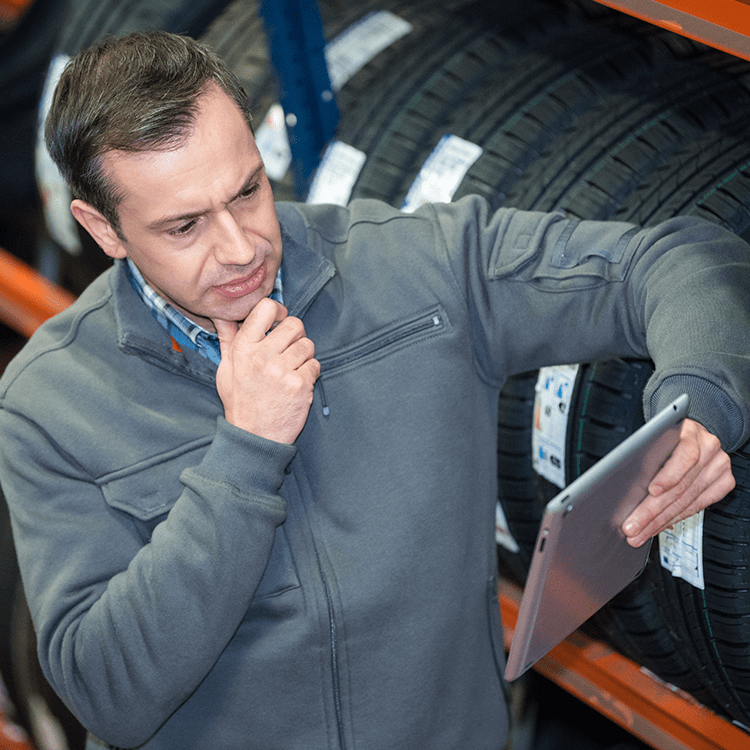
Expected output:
(147, 491)
(404, 332)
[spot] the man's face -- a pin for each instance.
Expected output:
(199, 221)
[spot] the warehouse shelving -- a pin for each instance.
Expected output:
(662, 716)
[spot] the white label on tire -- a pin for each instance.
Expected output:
(502, 530)
(273, 143)
(345, 55)
(336, 175)
(681, 550)
(553, 394)
(352, 49)
(442, 172)
(53, 189)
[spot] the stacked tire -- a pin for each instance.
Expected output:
(578, 109)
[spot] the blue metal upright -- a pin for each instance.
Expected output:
(297, 45)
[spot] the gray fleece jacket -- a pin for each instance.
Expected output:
(196, 586)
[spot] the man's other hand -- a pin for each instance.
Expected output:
(697, 474)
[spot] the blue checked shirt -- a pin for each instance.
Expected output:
(181, 329)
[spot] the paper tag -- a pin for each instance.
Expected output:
(442, 172)
(553, 394)
(502, 531)
(53, 189)
(345, 55)
(272, 141)
(681, 550)
(335, 177)
(353, 48)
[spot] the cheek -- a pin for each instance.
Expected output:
(186, 277)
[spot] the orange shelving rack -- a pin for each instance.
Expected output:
(724, 24)
(658, 714)
(27, 299)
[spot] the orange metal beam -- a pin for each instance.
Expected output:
(662, 716)
(724, 24)
(11, 11)
(27, 299)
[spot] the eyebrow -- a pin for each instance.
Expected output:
(163, 223)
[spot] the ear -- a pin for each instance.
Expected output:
(99, 228)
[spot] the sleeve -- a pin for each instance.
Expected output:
(128, 627)
(543, 289)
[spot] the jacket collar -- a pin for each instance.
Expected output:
(306, 272)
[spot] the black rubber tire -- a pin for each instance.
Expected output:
(605, 154)
(694, 639)
(415, 91)
(644, 161)
(608, 409)
(9, 584)
(31, 696)
(90, 20)
(709, 178)
(712, 626)
(47, 719)
(25, 52)
(605, 408)
(521, 488)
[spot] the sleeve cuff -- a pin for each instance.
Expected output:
(709, 405)
(245, 460)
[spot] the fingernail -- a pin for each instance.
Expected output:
(630, 528)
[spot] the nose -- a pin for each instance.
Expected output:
(232, 245)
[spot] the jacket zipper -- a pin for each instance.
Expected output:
(425, 323)
(430, 321)
(334, 655)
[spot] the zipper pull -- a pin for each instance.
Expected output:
(326, 409)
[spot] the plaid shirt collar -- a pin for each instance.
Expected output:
(181, 329)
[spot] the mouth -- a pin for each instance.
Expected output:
(243, 285)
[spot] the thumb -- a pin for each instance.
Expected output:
(226, 330)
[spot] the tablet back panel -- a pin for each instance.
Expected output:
(582, 559)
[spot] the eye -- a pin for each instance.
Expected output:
(248, 192)
(183, 229)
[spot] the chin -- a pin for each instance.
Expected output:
(243, 307)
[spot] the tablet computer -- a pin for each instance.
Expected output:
(581, 559)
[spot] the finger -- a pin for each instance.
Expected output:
(299, 351)
(262, 318)
(685, 457)
(712, 483)
(226, 330)
(715, 482)
(657, 512)
(285, 334)
(668, 518)
(310, 370)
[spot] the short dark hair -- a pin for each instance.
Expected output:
(133, 93)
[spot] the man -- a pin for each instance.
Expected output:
(296, 549)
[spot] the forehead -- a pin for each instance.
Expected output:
(205, 168)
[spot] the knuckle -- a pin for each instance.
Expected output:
(729, 480)
(713, 444)
(295, 323)
(691, 454)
